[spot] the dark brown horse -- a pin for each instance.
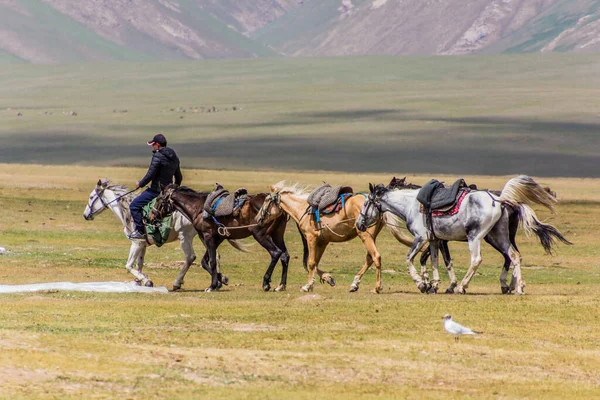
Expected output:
(239, 226)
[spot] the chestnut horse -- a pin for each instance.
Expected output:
(336, 227)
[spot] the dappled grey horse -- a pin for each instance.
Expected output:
(117, 198)
(482, 215)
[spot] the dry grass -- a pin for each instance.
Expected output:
(244, 343)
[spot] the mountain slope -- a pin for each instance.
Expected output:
(56, 31)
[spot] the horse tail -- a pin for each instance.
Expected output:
(305, 248)
(520, 193)
(236, 244)
(395, 225)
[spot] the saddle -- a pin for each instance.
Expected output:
(220, 203)
(327, 199)
(437, 200)
(435, 196)
(326, 195)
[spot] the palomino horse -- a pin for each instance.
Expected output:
(117, 198)
(190, 203)
(336, 227)
(482, 215)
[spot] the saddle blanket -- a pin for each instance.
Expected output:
(161, 230)
(449, 211)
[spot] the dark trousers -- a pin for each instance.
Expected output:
(137, 205)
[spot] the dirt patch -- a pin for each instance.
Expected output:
(310, 297)
(24, 376)
(254, 328)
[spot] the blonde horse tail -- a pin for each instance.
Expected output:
(520, 193)
(239, 245)
(395, 224)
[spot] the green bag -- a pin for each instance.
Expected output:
(159, 232)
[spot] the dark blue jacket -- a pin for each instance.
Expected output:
(163, 167)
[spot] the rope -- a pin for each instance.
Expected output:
(224, 230)
(339, 222)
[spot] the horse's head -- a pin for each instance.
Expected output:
(271, 208)
(371, 211)
(164, 204)
(97, 201)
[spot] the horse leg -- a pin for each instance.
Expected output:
(475, 249)
(448, 261)
(356, 282)
(134, 251)
(503, 247)
(314, 256)
(186, 241)
(374, 256)
(417, 245)
(278, 239)
(212, 242)
(267, 243)
(517, 279)
(433, 247)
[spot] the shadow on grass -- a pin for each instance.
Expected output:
(474, 145)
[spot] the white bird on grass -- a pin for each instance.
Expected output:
(457, 329)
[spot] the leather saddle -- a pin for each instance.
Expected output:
(435, 196)
(220, 203)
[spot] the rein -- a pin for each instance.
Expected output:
(105, 204)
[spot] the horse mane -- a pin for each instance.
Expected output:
(294, 188)
(189, 190)
(119, 190)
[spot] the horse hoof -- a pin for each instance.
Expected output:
(306, 288)
(331, 281)
(450, 291)
(280, 288)
(149, 283)
(225, 280)
(462, 291)
(176, 288)
(377, 290)
(506, 290)
(432, 290)
(266, 287)
(422, 287)
(353, 289)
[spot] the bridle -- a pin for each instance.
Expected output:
(372, 201)
(274, 199)
(105, 204)
(166, 206)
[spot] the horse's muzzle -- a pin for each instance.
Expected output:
(361, 226)
(89, 217)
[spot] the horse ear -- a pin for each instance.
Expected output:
(99, 182)
(272, 188)
(371, 187)
(105, 183)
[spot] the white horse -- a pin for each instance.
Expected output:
(117, 198)
(482, 215)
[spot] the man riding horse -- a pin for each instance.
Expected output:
(163, 167)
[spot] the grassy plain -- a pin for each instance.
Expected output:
(244, 343)
(491, 115)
